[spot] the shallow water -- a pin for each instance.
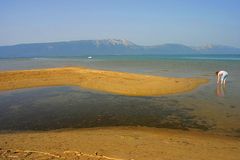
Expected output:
(209, 108)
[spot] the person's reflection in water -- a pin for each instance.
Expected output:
(220, 92)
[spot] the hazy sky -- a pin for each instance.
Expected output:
(144, 22)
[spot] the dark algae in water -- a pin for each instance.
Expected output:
(65, 107)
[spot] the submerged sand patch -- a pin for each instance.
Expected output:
(108, 81)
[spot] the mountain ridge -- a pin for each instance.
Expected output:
(107, 47)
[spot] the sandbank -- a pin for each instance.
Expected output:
(100, 80)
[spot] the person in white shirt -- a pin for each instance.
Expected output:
(221, 77)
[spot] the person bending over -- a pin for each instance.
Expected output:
(221, 77)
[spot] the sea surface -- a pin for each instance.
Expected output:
(210, 108)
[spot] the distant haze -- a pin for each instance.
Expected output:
(149, 22)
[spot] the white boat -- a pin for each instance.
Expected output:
(89, 57)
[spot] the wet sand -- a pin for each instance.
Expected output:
(118, 143)
(107, 81)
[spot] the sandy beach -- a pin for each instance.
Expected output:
(111, 143)
(118, 143)
(107, 81)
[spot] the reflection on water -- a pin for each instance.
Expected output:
(220, 90)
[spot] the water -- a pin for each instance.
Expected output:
(209, 108)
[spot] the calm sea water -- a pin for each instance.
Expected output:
(209, 108)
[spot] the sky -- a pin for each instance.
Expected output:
(144, 22)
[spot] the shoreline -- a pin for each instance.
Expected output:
(118, 143)
(122, 83)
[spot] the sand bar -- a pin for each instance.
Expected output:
(118, 143)
(108, 81)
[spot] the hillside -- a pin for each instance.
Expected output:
(106, 47)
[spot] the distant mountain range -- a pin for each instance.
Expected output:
(106, 47)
